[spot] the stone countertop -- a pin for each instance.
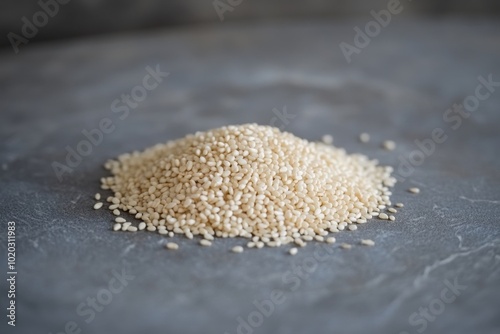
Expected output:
(435, 270)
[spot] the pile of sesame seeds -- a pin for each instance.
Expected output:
(247, 181)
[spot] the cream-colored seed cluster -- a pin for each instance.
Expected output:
(248, 181)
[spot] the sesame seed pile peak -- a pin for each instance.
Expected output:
(248, 181)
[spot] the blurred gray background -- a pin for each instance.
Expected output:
(84, 17)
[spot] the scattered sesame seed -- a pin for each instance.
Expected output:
(414, 190)
(389, 145)
(293, 251)
(98, 205)
(97, 197)
(205, 243)
(367, 242)
(117, 227)
(364, 137)
(392, 218)
(132, 229)
(383, 216)
(399, 205)
(125, 226)
(172, 246)
(120, 220)
(116, 212)
(331, 240)
(142, 226)
(392, 210)
(237, 249)
(327, 139)
(345, 246)
(352, 227)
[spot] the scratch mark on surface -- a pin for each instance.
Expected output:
(128, 249)
(417, 283)
(419, 279)
(479, 200)
(375, 281)
(460, 242)
(76, 200)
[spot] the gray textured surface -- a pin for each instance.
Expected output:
(397, 88)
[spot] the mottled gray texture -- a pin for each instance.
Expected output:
(397, 88)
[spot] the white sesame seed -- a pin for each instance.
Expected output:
(171, 246)
(345, 246)
(327, 139)
(272, 244)
(414, 190)
(367, 242)
(392, 218)
(331, 240)
(293, 251)
(97, 197)
(383, 216)
(125, 226)
(120, 220)
(237, 249)
(399, 205)
(117, 227)
(116, 212)
(151, 228)
(132, 229)
(352, 227)
(364, 137)
(389, 145)
(142, 226)
(205, 243)
(98, 205)
(392, 210)
(208, 236)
